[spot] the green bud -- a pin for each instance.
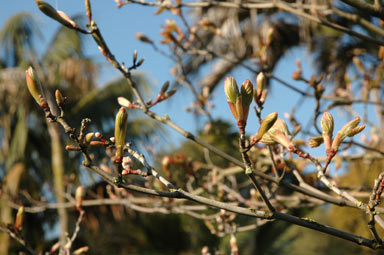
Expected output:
(267, 123)
(356, 130)
(349, 127)
(120, 130)
(19, 218)
(51, 12)
(348, 130)
(34, 87)
(278, 133)
(164, 88)
(327, 123)
(314, 142)
(231, 89)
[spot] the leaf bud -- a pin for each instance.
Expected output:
(120, 130)
(314, 142)
(35, 88)
(79, 197)
(19, 218)
(266, 124)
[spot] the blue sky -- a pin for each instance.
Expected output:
(119, 27)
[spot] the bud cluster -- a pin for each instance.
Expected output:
(327, 125)
(239, 101)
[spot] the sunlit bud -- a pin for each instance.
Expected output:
(59, 98)
(266, 124)
(55, 247)
(88, 9)
(59, 16)
(19, 218)
(164, 88)
(263, 96)
(79, 197)
(124, 102)
(81, 250)
(72, 148)
(97, 143)
(314, 142)
(232, 93)
(143, 38)
(260, 84)
(120, 130)
(327, 123)
(350, 129)
(68, 19)
(134, 56)
(34, 87)
(231, 90)
(246, 93)
(278, 134)
(356, 130)
(88, 137)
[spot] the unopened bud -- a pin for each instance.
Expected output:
(59, 98)
(278, 133)
(68, 19)
(246, 93)
(232, 93)
(171, 93)
(19, 218)
(51, 12)
(81, 250)
(314, 142)
(260, 84)
(143, 38)
(79, 197)
(134, 56)
(348, 130)
(356, 130)
(164, 88)
(327, 123)
(88, 9)
(34, 87)
(120, 130)
(266, 124)
(124, 102)
(88, 137)
(231, 89)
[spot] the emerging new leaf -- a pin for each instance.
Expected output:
(267, 123)
(314, 142)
